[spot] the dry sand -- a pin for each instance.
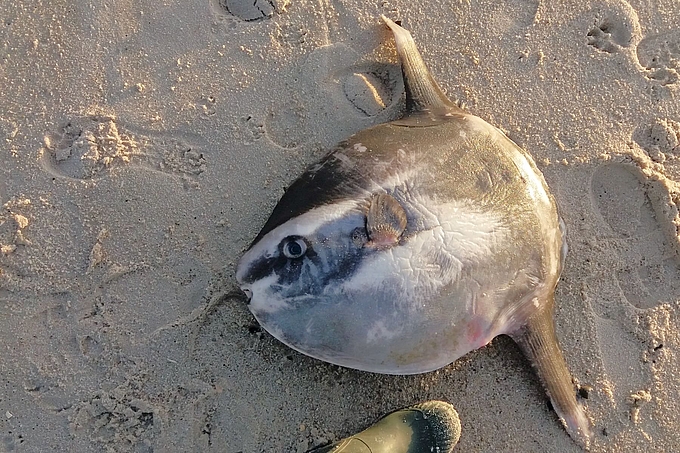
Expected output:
(143, 144)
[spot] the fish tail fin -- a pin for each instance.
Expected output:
(538, 341)
(422, 91)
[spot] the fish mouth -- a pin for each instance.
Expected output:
(248, 292)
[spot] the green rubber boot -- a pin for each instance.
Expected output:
(429, 427)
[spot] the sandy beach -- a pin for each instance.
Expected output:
(144, 144)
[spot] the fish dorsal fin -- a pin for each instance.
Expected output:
(385, 221)
(422, 92)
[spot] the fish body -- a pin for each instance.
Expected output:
(413, 243)
(473, 256)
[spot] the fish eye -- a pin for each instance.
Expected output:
(294, 247)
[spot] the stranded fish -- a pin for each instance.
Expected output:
(413, 243)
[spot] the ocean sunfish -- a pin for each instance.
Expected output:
(413, 243)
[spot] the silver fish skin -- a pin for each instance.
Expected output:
(413, 243)
(478, 247)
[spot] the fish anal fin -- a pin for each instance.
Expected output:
(538, 341)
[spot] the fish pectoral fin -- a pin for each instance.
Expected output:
(385, 221)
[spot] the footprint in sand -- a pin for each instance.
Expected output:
(338, 86)
(651, 274)
(88, 147)
(660, 56)
(616, 27)
(249, 10)
(660, 139)
(369, 88)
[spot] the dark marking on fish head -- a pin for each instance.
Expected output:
(295, 276)
(295, 263)
(323, 183)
